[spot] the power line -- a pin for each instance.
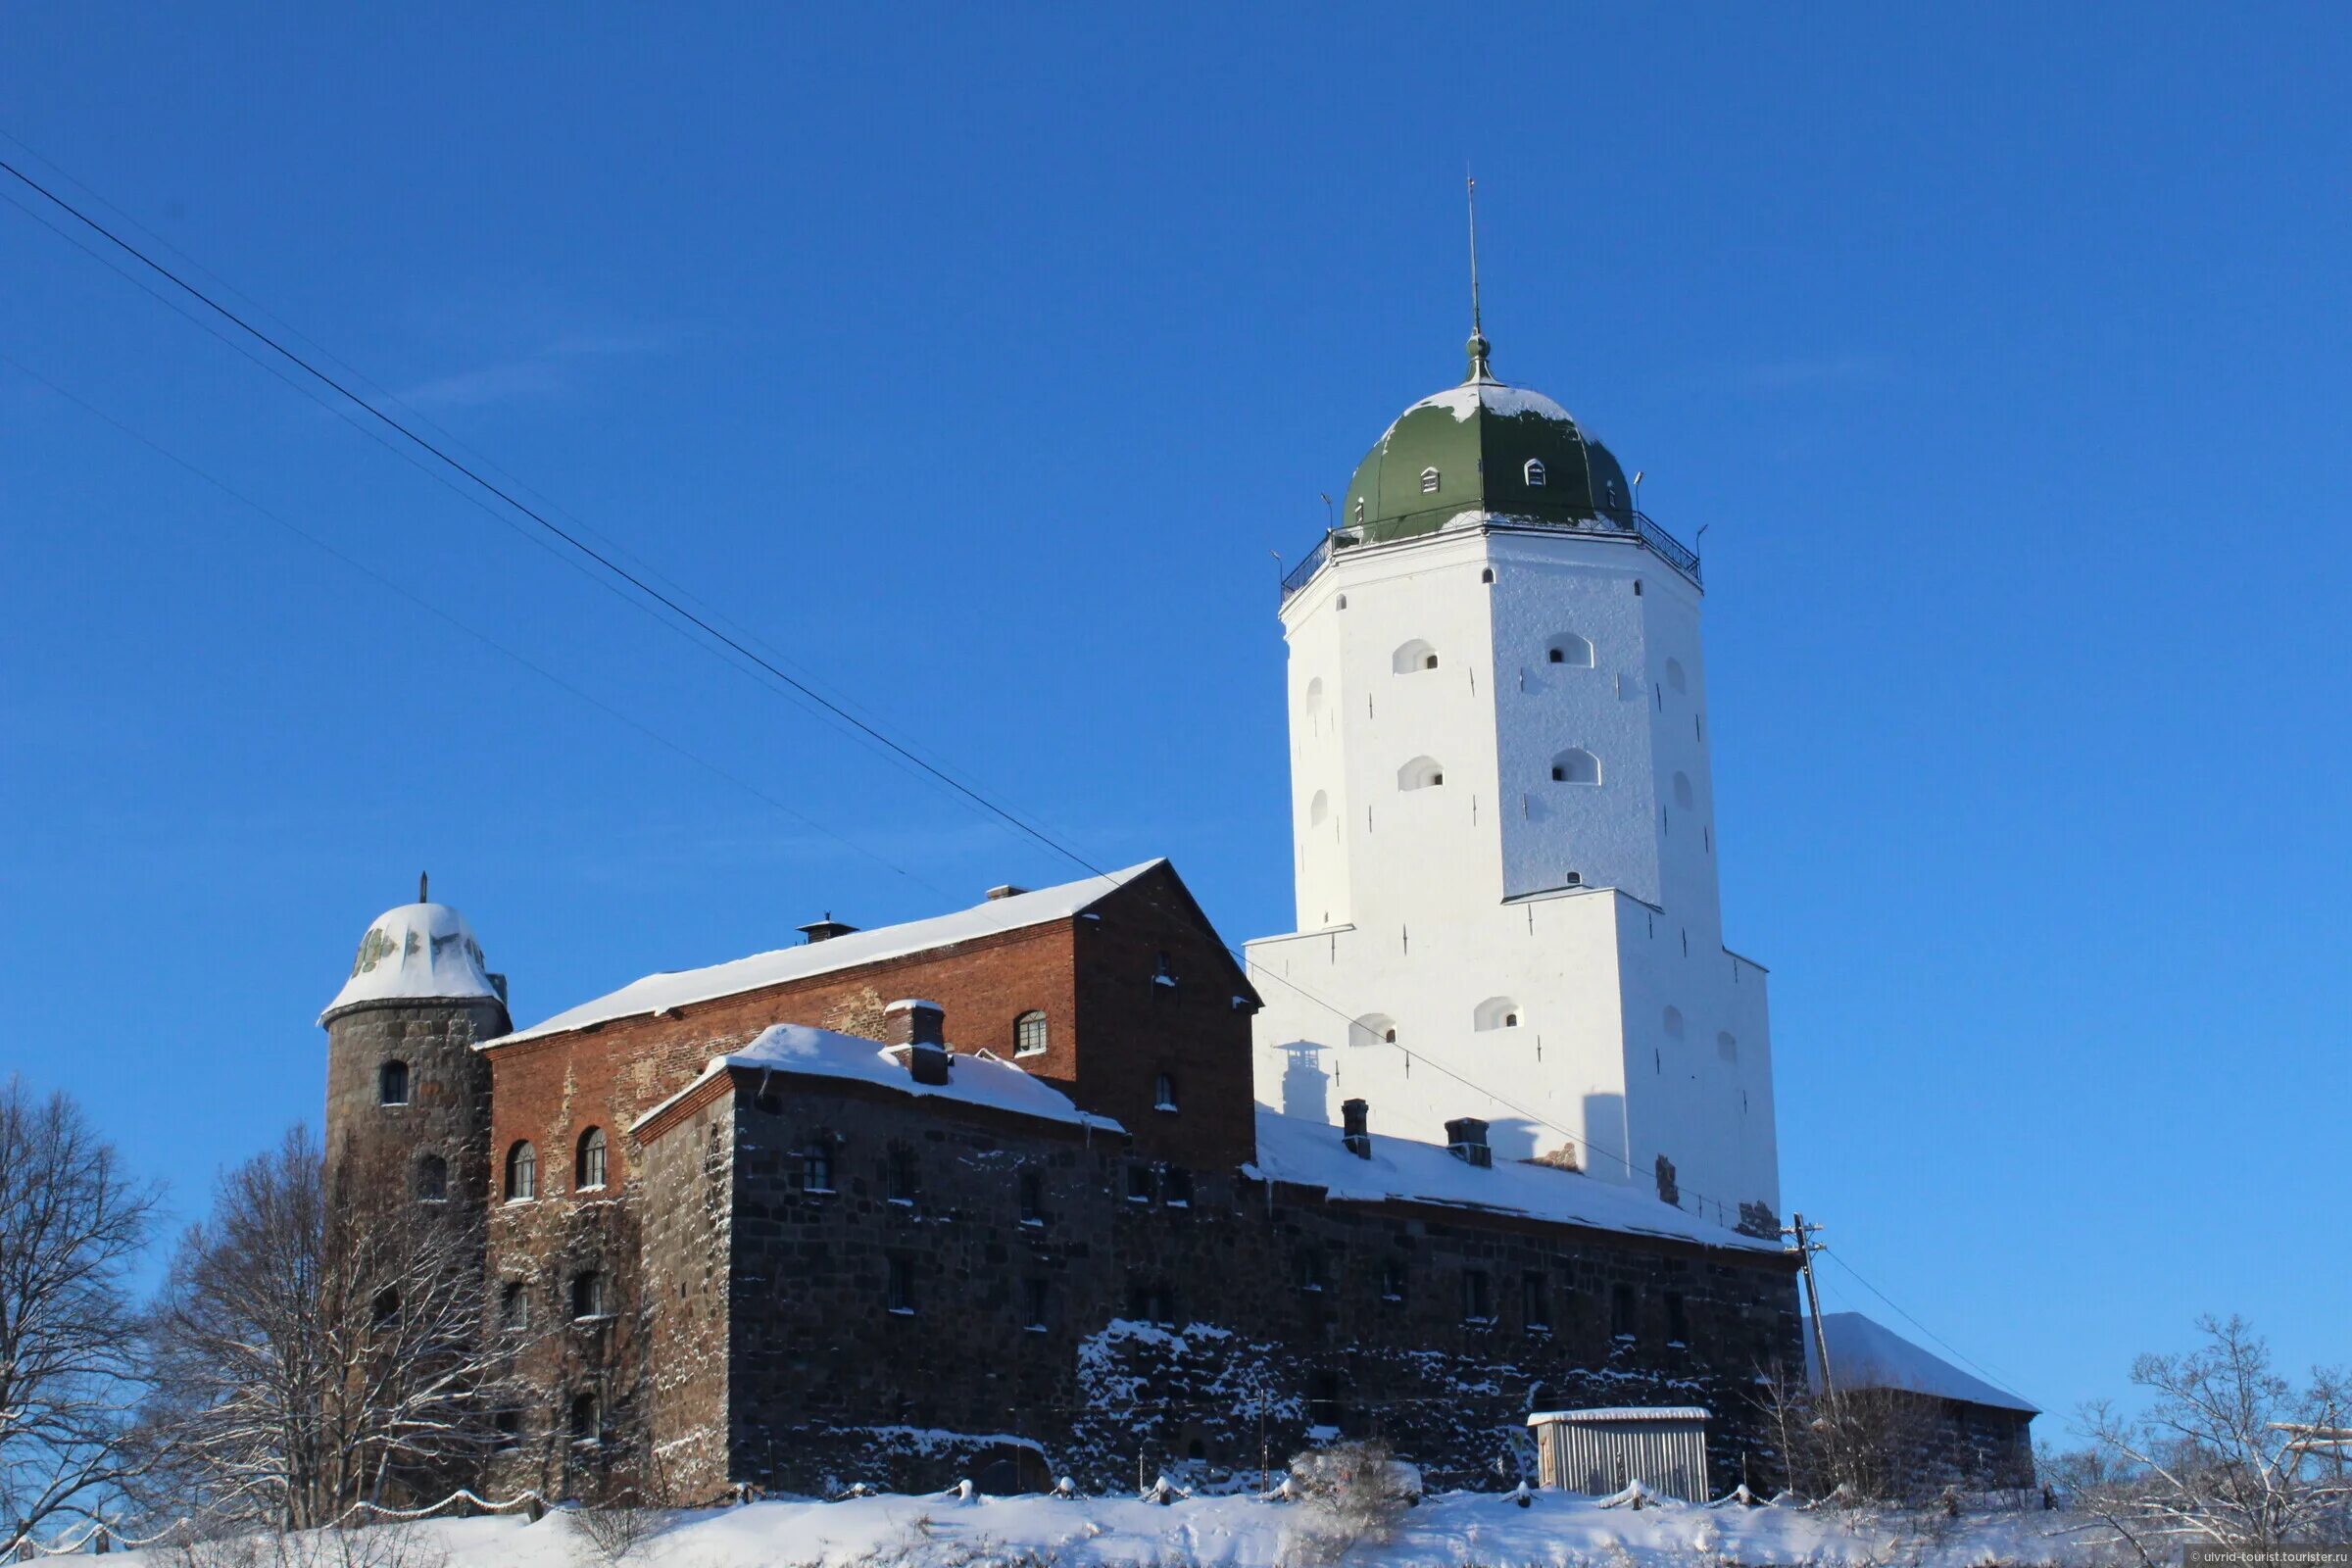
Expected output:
(605, 560)
(487, 641)
(572, 539)
(1989, 1376)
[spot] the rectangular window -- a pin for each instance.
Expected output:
(1478, 1299)
(1176, 1187)
(1678, 1326)
(901, 1284)
(1038, 1302)
(1621, 1311)
(816, 1169)
(1392, 1280)
(1310, 1270)
(1534, 1301)
(1142, 1185)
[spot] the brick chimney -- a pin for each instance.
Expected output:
(1466, 1140)
(1354, 1129)
(921, 1027)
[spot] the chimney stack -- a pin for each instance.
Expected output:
(1004, 890)
(1466, 1140)
(825, 930)
(1355, 1132)
(922, 1028)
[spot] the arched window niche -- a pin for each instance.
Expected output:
(1318, 809)
(1569, 649)
(1373, 1029)
(1575, 765)
(1412, 658)
(1495, 1012)
(1682, 792)
(1421, 774)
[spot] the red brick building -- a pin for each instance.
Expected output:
(990, 1195)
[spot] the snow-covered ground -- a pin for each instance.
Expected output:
(1455, 1530)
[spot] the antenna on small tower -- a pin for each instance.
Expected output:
(1478, 336)
(421, 882)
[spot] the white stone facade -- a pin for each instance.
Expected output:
(1507, 859)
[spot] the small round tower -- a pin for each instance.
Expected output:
(408, 1098)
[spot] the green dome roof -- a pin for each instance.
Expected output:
(1482, 447)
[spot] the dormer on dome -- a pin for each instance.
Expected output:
(417, 952)
(1495, 451)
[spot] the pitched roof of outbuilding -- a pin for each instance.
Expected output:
(1868, 1354)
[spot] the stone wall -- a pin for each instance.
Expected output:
(889, 1340)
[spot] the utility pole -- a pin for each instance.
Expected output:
(1804, 1248)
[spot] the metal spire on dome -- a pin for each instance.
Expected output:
(1478, 338)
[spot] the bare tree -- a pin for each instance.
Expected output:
(314, 1347)
(1865, 1444)
(2227, 1453)
(1354, 1493)
(71, 1222)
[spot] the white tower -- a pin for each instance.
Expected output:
(1504, 820)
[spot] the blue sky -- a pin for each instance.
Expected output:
(976, 361)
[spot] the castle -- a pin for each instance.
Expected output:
(1055, 1185)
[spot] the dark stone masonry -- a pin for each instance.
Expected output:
(777, 1274)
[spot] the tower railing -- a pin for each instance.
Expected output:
(1639, 524)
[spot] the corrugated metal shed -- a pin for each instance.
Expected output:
(1600, 1451)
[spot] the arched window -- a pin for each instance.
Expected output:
(588, 1166)
(1429, 481)
(522, 1172)
(1575, 765)
(1681, 791)
(1569, 649)
(588, 1293)
(392, 1084)
(1673, 675)
(1674, 1023)
(1360, 517)
(1312, 702)
(587, 1419)
(1727, 1046)
(1029, 1034)
(1163, 1092)
(1343, 604)
(1318, 809)
(1372, 1029)
(1487, 575)
(1421, 774)
(1413, 657)
(514, 1305)
(1534, 473)
(432, 1179)
(1495, 1012)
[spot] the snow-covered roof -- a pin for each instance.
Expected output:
(416, 953)
(1624, 1412)
(1868, 1354)
(1309, 1154)
(1494, 397)
(972, 1080)
(682, 988)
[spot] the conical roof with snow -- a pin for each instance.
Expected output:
(415, 952)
